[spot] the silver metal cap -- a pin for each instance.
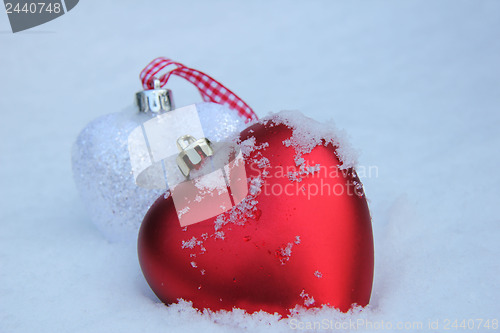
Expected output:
(192, 153)
(155, 100)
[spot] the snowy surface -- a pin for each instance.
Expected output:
(416, 85)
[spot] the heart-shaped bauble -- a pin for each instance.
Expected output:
(103, 172)
(302, 236)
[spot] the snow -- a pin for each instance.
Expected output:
(415, 85)
(285, 253)
(308, 300)
(213, 181)
(308, 133)
(190, 244)
(243, 211)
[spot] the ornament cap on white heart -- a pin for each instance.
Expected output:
(155, 100)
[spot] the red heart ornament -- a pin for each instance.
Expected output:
(302, 236)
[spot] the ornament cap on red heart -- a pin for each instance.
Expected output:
(301, 237)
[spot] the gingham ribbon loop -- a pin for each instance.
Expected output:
(210, 89)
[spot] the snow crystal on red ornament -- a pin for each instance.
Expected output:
(308, 133)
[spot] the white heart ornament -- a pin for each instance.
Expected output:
(103, 174)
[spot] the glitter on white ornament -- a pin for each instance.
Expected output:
(103, 173)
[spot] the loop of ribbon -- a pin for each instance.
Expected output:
(210, 89)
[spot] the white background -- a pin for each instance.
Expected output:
(416, 84)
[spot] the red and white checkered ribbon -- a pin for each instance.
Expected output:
(210, 89)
